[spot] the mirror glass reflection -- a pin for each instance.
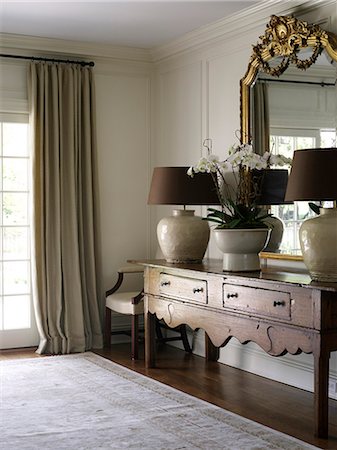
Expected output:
(295, 111)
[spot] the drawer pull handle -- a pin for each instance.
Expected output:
(282, 303)
(236, 295)
(165, 283)
(195, 290)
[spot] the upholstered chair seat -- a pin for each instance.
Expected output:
(121, 302)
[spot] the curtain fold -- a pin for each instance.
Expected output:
(261, 133)
(65, 252)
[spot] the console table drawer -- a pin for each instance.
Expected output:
(262, 302)
(183, 288)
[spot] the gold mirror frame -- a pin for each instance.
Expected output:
(284, 37)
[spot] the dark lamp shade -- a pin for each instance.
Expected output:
(313, 175)
(172, 186)
(273, 185)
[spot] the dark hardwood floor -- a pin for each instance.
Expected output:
(276, 405)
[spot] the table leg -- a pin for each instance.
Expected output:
(321, 391)
(212, 352)
(149, 325)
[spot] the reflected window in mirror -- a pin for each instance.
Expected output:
(285, 142)
(289, 114)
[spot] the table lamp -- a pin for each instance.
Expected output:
(183, 237)
(314, 177)
(273, 187)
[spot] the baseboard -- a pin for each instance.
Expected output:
(295, 371)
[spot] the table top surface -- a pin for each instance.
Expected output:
(272, 274)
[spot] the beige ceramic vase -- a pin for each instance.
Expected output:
(276, 234)
(183, 237)
(318, 239)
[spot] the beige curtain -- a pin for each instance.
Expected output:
(261, 124)
(65, 261)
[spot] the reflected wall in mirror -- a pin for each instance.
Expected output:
(284, 108)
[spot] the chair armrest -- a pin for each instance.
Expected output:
(131, 268)
(117, 285)
(138, 298)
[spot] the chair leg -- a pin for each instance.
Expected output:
(134, 337)
(107, 327)
(184, 338)
(159, 333)
(180, 329)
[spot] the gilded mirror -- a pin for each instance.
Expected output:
(288, 45)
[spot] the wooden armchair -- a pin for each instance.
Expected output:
(131, 303)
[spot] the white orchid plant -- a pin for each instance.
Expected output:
(239, 203)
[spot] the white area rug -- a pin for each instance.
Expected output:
(84, 401)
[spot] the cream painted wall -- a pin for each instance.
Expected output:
(202, 81)
(123, 124)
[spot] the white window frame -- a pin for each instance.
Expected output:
(26, 337)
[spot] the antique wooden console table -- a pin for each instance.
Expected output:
(280, 311)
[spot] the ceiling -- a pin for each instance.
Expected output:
(142, 24)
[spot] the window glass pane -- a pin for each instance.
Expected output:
(288, 241)
(16, 277)
(303, 211)
(15, 209)
(285, 145)
(16, 312)
(15, 174)
(328, 138)
(15, 243)
(284, 212)
(285, 142)
(15, 295)
(15, 142)
(304, 142)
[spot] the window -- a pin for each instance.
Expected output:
(285, 142)
(15, 285)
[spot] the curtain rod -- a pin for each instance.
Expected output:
(36, 58)
(318, 83)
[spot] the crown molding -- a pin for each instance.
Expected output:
(203, 37)
(227, 28)
(88, 50)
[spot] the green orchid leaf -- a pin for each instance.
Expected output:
(314, 208)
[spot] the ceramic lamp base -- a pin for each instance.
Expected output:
(183, 237)
(318, 239)
(276, 234)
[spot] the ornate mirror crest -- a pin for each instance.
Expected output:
(284, 37)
